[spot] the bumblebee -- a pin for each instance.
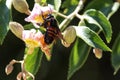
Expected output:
(52, 30)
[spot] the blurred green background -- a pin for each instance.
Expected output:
(56, 69)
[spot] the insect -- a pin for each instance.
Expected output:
(52, 30)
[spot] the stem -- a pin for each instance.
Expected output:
(62, 15)
(79, 7)
(30, 74)
(15, 61)
(65, 22)
(22, 66)
(78, 16)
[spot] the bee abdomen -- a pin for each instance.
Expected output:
(50, 35)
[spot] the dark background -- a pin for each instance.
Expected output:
(56, 69)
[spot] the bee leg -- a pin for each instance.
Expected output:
(60, 36)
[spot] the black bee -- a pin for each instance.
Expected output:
(52, 30)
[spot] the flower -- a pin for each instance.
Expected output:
(34, 39)
(38, 13)
(31, 37)
(24, 74)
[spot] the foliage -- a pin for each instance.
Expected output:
(4, 20)
(116, 54)
(93, 21)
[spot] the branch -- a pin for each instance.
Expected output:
(60, 14)
(67, 20)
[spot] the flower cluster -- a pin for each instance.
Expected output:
(23, 75)
(34, 38)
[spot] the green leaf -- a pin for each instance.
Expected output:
(69, 6)
(114, 8)
(116, 54)
(102, 5)
(108, 7)
(33, 61)
(57, 4)
(4, 20)
(78, 56)
(98, 18)
(91, 38)
(29, 26)
(69, 3)
(92, 24)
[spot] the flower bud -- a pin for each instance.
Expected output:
(16, 28)
(69, 36)
(65, 43)
(21, 6)
(9, 69)
(118, 1)
(98, 53)
(19, 76)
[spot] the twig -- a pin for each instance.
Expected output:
(60, 14)
(67, 20)
(78, 16)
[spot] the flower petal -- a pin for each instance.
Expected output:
(37, 14)
(32, 37)
(44, 47)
